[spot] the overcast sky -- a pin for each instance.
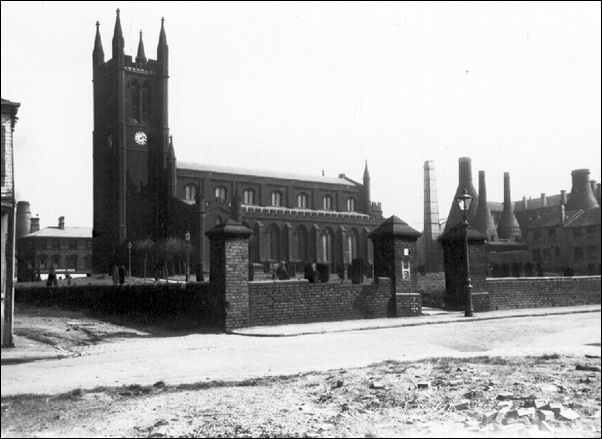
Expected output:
(305, 87)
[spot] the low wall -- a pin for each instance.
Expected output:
(186, 305)
(298, 301)
(535, 292)
(408, 304)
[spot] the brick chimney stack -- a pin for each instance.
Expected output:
(544, 200)
(35, 225)
(563, 198)
(62, 222)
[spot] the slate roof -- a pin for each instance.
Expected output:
(259, 173)
(587, 218)
(67, 232)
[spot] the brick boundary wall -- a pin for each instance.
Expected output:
(298, 301)
(184, 305)
(408, 304)
(536, 292)
(480, 302)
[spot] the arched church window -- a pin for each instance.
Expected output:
(327, 202)
(350, 204)
(276, 199)
(302, 201)
(190, 192)
(326, 243)
(72, 262)
(248, 196)
(220, 193)
(134, 100)
(146, 102)
(42, 262)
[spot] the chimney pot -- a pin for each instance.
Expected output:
(62, 222)
(544, 200)
(563, 197)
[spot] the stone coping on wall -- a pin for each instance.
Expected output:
(278, 281)
(541, 277)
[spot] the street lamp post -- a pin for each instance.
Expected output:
(187, 237)
(130, 258)
(464, 201)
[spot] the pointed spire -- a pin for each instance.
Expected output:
(118, 42)
(162, 49)
(172, 152)
(366, 172)
(98, 55)
(140, 57)
(171, 168)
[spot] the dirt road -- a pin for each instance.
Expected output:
(145, 359)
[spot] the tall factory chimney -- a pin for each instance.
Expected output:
(483, 220)
(508, 227)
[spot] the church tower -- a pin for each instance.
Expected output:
(131, 145)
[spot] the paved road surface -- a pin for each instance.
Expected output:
(197, 358)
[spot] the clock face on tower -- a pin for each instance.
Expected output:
(140, 138)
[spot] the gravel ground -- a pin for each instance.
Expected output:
(473, 397)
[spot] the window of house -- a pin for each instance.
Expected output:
(547, 255)
(351, 204)
(56, 244)
(56, 261)
(89, 243)
(248, 196)
(87, 262)
(536, 254)
(220, 193)
(327, 202)
(537, 235)
(577, 233)
(42, 244)
(72, 244)
(551, 233)
(190, 192)
(578, 252)
(591, 232)
(302, 201)
(276, 198)
(557, 251)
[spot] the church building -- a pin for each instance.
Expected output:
(142, 192)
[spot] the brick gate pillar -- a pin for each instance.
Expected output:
(394, 243)
(229, 270)
(454, 262)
